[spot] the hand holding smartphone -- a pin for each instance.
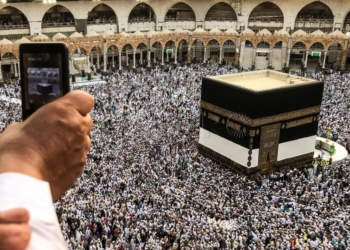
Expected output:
(44, 69)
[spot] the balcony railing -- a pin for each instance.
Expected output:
(220, 19)
(53, 24)
(98, 21)
(266, 19)
(14, 26)
(169, 19)
(141, 20)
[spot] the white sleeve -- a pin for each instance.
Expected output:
(18, 190)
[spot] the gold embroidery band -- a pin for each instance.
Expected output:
(260, 121)
(213, 117)
(233, 125)
(299, 122)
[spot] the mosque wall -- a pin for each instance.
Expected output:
(295, 148)
(228, 148)
(35, 11)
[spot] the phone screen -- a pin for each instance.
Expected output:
(42, 79)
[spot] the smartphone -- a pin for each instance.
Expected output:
(44, 70)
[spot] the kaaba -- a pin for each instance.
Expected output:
(260, 120)
(44, 88)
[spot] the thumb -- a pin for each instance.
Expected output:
(17, 215)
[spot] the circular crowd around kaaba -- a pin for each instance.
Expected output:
(145, 186)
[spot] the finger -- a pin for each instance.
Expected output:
(80, 100)
(87, 143)
(14, 236)
(87, 121)
(17, 215)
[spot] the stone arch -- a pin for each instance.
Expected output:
(266, 5)
(102, 7)
(11, 53)
(250, 41)
(180, 41)
(113, 45)
(226, 40)
(75, 48)
(334, 42)
(97, 48)
(191, 16)
(263, 41)
(14, 12)
(316, 10)
(218, 7)
(299, 41)
(141, 43)
(346, 22)
(317, 42)
(213, 39)
(273, 44)
(157, 41)
(51, 15)
(128, 44)
(138, 7)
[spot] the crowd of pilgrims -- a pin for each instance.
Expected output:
(145, 186)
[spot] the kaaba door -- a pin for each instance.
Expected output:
(268, 150)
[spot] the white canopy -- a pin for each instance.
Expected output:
(59, 36)
(166, 31)
(215, 31)
(138, 33)
(264, 32)
(107, 33)
(76, 35)
(199, 31)
(92, 34)
(41, 37)
(247, 32)
(318, 33)
(282, 32)
(5, 41)
(231, 32)
(300, 33)
(22, 40)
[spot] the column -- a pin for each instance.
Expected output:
(148, 58)
(175, 62)
(133, 59)
(167, 57)
(19, 71)
(98, 60)
(104, 62)
(162, 57)
(306, 56)
(113, 65)
(126, 58)
(254, 56)
(288, 58)
(72, 60)
(120, 60)
(0, 71)
(180, 53)
(189, 54)
(88, 63)
(220, 58)
(270, 58)
(205, 54)
(16, 73)
(141, 59)
(324, 59)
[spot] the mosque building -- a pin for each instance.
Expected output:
(255, 34)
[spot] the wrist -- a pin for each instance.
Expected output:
(13, 163)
